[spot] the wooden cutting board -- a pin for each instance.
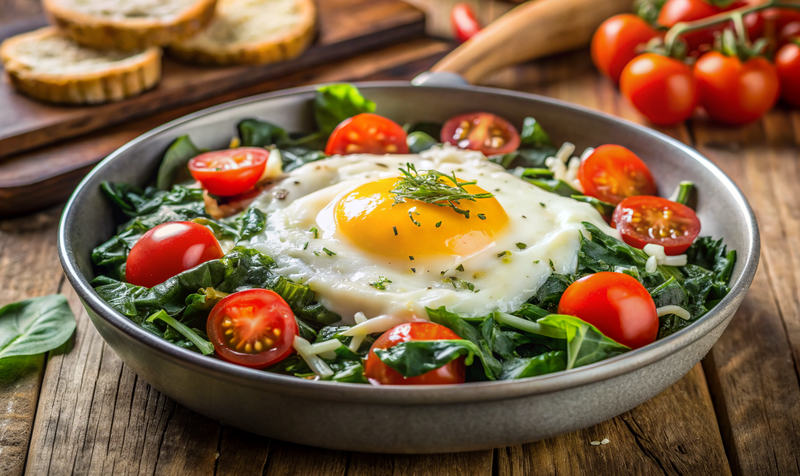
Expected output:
(346, 28)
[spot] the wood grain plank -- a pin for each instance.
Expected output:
(367, 26)
(661, 436)
(677, 431)
(242, 453)
(475, 463)
(751, 369)
(27, 257)
(48, 175)
(288, 459)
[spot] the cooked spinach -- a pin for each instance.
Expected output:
(255, 133)
(524, 367)
(419, 141)
(337, 102)
(585, 343)
(35, 326)
(416, 357)
(535, 147)
(174, 164)
(203, 345)
(467, 331)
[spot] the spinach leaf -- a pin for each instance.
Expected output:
(524, 367)
(174, 164)
(251, 223)
(255, 133)
(337, 102)
(544, 179)
(549, 294)
(585, 343)
(294, 157)
(301, 299)
(350, 371)
(203, 345)
(535, 147)
(419, 141)
(416, 357)
(465, 330)
(533, 135)
(35, 326)
(606, 209)
(432, 129)
(500, 343)
(712, 255)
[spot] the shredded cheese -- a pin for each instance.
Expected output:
(306, 350)
(355, 343)
(677, 310)
(657, 252)
(376, 324)
(652, 264)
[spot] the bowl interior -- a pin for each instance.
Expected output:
(88, 219)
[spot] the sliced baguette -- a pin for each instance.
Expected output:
(129, 24)
(251, 32)
(47, 65)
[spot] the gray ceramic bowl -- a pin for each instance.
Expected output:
(419, 419)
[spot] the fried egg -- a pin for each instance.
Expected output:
(335, 225)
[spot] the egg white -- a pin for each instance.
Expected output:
(547, 224)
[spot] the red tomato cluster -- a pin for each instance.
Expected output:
(731, 90)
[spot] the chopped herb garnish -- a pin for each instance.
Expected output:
(460, 283)
(521, 246)
(316, 253)
(523, 216)
(431, 186)
(314, 231)
(443, 272)
(481, 216)
(395, 230)
(551, 265)
(414, 270)
(542, 204)
(305, 246)
(460, 267)
(411, 258)
(380, 283)
(411, 215)
(504, 253)
(438, 224)
(536, 262)
(330, 253)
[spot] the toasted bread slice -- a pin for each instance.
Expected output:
(47, 65)
(129, 24)
(251, 32)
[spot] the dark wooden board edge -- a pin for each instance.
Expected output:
(14, 142)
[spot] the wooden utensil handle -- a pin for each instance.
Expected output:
(532, 30)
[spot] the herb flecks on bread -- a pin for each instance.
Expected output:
(129, 24)
(252, 31)
(49, 66)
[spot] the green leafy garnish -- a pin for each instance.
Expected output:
(380, 283)
(431, 186)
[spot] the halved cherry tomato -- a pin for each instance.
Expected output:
(169, 249)
(253, 328)
(481, 131)
(733, 92)
(465, 24)
(663, 89)
(379, 373)
(617, 304)
(787, 63)
(613, 173)
(617, 41)
(229, 172)
(642, 220)
(367, 134)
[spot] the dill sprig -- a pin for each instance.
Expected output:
(431, 186)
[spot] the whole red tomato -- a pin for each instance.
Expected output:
(733, 92)
(787, 63)
(783, 24)
(617, 41)
(663, 89)
(616, 304)
(379, 373)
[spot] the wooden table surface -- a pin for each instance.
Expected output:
(85, 412)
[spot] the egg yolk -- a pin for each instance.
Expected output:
(369, 217)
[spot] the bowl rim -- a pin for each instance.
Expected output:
(413, 395)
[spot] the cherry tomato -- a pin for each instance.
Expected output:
(663, 89)
(229, 172)
(465, 24)
(379, 373)
(787, 63)
(367, 134)
(617, 304)
(253, 328)
(733, 92)
(613, 173)
(170, 249)
(644, 219)
(618, 41)
(675, 11)
(784, 24)
(481, 131)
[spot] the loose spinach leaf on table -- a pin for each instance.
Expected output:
(35, 325)
(174, 164)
